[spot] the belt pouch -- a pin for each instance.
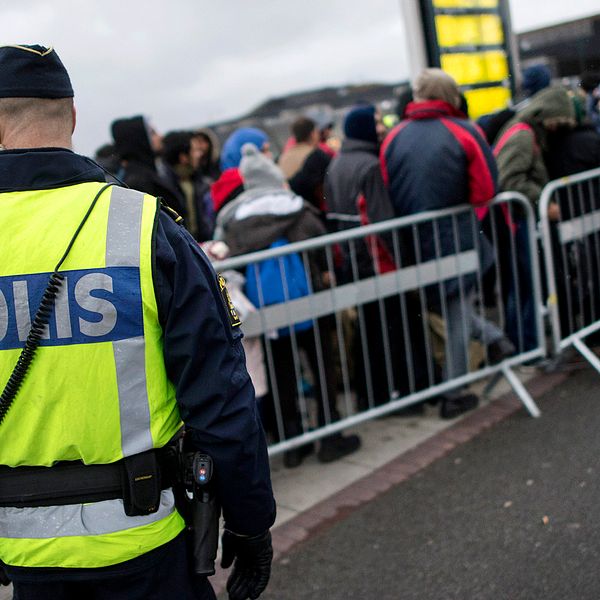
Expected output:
(141, 484)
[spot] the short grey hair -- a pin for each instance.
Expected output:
(436, 84)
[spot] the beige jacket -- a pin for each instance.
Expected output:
(291, 161)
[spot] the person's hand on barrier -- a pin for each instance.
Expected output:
(326, 279)
(252, 567)
(553, 211)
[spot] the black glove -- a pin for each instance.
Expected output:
(4, 580)
(252, 568)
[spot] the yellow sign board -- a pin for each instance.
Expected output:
(468, 30)
(465, 3)
(467, 38)
(484, 101)
(469, 68)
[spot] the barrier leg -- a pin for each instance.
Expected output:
(491, 384)
(587, 353)
(520, 390)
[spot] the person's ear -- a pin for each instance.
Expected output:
(74, 113)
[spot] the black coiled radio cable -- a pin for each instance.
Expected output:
(40, 321)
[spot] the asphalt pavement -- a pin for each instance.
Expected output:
(512, 514)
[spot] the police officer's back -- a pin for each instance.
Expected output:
(113, 330)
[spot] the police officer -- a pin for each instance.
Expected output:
(139, 338)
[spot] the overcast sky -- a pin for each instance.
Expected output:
(189, 62)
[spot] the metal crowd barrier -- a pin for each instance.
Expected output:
(365, 341)
(571, 246)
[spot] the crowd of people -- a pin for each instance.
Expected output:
(434, 158)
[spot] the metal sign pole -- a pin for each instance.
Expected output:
(414, 35)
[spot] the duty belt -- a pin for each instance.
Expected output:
(137, 479)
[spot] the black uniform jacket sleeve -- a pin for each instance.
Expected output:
(205, 360)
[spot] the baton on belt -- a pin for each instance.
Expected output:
(205, 512)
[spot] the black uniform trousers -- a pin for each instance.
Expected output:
(167, 578)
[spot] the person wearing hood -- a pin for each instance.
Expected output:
(266, 212)
(523, 140)
(230, 184)
(205, 154)
(519, 153)
(137, 144)
(535, 79)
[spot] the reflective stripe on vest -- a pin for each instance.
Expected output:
(97, 390)
(123, 250)
(97, 518)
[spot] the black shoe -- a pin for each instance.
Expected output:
(499, 350)
(412, 410)
(435, 400)
(293, 458)
(453, 407)
(337, 446)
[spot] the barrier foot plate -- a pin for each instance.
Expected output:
(587, 353)
(521, 391)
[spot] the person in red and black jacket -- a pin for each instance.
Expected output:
(434, 159)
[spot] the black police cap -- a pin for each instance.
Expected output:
(33, 72)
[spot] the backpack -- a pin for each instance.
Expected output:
(268, 288)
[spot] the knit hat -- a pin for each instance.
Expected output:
(258, 170)
(232, 148)
(536, 78)
(32, 72)
(360, 124)
(435, 84)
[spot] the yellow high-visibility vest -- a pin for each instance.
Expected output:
(97, 390)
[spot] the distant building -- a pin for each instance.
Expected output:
(568, 48)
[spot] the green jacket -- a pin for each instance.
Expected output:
(520, 146)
